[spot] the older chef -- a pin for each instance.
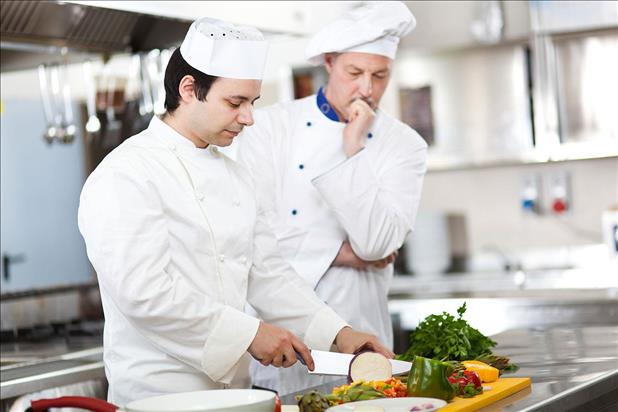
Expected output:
(180, 244)
(340, 177)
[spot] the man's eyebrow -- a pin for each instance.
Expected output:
(353, 67)
(243, 98)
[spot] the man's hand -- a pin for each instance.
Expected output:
(346, 257)
(278, 347)
(354, 134)
(350, 341)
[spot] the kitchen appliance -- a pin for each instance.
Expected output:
(428, 249)
(237, 400)
(333, 363)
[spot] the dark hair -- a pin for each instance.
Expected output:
(177, 68)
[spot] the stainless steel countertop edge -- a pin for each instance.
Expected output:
(552, 400)
(17, 387)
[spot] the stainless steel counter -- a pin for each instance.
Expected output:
(572, 368)
(32, 367)
(591, 282)
(495, 315)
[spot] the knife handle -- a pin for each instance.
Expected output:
(300, 358)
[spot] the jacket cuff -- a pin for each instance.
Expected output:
(323, 329)
(226, 344)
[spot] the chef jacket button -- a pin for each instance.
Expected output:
(243, 260)
(213, 149)
(221, 258)
(236, 202)
(301, 166)
(173, 148)
(200, 197)
(294, 212)
(370, 135)
(308, 124)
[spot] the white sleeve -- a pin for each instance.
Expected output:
(377, 210)
(283, 298)
(258, 151)
(122, 222)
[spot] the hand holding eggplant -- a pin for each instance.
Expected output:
(350, 341)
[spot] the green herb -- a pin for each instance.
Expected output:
(445, 337)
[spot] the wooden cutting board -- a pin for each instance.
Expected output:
(500, 389)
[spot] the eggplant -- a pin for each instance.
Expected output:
(369, 366)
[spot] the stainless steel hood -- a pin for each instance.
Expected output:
(34, 32)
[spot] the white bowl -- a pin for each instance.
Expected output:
(241, 400)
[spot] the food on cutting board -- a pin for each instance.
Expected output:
(369, 366)
(466, 383)
(449, 358)
(429, 378)
(486, 373)
(449, 338)
(502, 363)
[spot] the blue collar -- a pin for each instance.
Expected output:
(325, 107)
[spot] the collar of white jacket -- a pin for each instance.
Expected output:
(221, 49)
(375, 28)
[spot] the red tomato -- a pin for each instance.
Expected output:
(474, 378)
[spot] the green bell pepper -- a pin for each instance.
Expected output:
(429, 378)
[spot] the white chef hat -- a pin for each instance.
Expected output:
(372, 28)
(219, 48)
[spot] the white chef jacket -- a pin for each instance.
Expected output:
(180, 245)
(318, 198)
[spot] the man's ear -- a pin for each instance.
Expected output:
(186, 88)
(329, 61)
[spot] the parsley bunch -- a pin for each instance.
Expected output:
(447, 338)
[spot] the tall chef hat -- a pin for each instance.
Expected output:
(373, 28)
(219, 48)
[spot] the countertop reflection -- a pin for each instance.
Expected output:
(569, 366)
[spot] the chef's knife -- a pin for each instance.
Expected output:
(333, 363)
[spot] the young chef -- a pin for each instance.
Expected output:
(180, 244)
(341, 178)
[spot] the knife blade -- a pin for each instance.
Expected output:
(333, 363)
